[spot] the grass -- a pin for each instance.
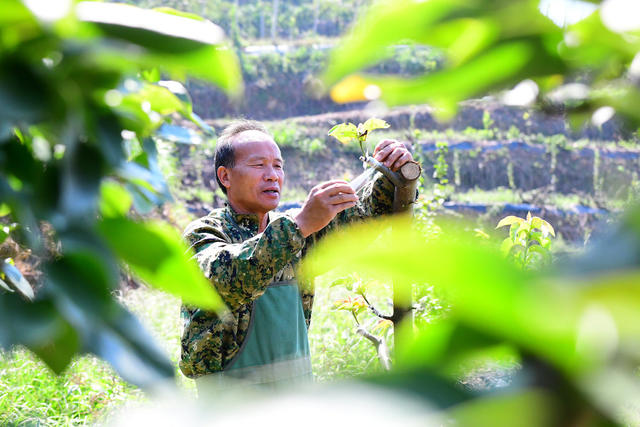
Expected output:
(498, 195)
(31, 394)
(89, 390)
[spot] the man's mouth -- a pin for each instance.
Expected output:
(272, 192)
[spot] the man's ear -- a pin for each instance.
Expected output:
(223, 176)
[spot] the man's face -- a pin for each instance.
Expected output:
(255, 181)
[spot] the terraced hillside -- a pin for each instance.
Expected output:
(501, 160)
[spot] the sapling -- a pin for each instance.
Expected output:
(348, 133)
(529, 240)
(405, 181)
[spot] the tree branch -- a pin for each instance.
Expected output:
(375, 310)
(381, 347)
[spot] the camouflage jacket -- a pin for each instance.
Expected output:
(241, 263)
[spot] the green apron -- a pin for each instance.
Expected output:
(276, 348)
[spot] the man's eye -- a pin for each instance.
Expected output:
(278, 166)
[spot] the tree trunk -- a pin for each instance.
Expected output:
(405, 182)
(403, 199)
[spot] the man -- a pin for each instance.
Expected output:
(249, 253)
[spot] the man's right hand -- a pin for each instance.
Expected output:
(323, 203)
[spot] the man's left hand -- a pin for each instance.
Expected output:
(391, 153)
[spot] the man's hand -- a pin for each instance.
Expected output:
(392, 154)
(323, 203)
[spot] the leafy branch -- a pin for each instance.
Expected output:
(348, 133)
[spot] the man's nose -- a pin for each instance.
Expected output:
(270, 174)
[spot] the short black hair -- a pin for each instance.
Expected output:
(225, 153)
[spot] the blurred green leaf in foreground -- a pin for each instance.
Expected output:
(575, 333)
(82, 104)
(588, 68)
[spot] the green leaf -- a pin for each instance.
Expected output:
(509, 220)
(108, 134)
(14, 278)
(490, 294)
(177, 45)
(544, 254)
(545, 242)
(217, 64)
(160, 99)
(115, 201)
(123, 342)
(202, 125)
(180, 92)
(144, 201)
(39, 326)
(536, 222)
(506, 246)
(152, 75)
(156, 253)
(179, 134)
(340, 282)
(513, 231)
(522, 236)
(4, 209)
(372, 124)
(344, 132)
(81, 181)
(480, 233)
(462, 38)
(547, 228)
(541, 238)
(143, 173)
(172, 11)
(367, 43)
(434, 388)
(502, 66)
(156, 30)
(14, 12)
(80, 285)
(527, 408)
(443, 344)
(24, 95)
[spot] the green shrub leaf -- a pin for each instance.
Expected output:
(115, 201)
(372, 124)
(506, 246)
(344, 132)
(509, 220)
(156, 253)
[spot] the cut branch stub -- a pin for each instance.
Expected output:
(410, 171)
